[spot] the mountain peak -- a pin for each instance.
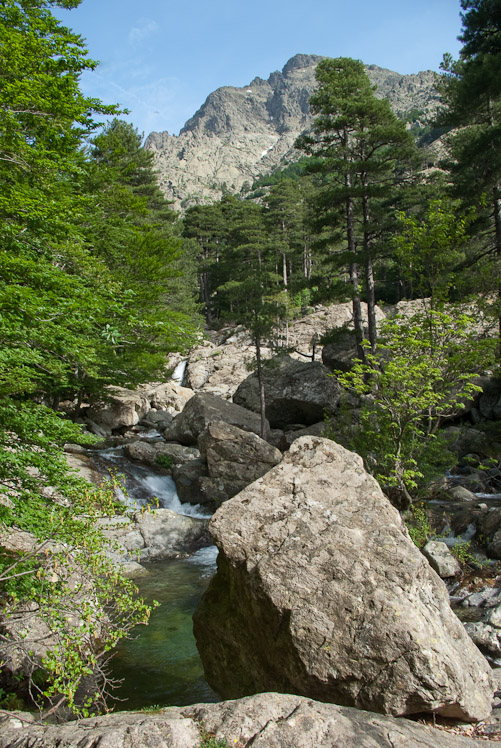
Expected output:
(300, 61)
(239, 134)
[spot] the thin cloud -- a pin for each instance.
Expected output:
(142, 30)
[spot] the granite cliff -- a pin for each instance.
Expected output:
(241, 133)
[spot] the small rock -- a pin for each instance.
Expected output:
(441, 559)
(459, 493)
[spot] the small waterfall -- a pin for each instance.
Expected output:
(178, 373)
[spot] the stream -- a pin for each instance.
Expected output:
(160, 665)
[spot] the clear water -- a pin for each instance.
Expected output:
(161, 666)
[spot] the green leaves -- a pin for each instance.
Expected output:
(88, 298)
(423, 374)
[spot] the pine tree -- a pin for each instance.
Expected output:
(471, 90)
(357, 141)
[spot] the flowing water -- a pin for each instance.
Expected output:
(161, 665)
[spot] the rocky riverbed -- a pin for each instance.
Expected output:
(319, 590)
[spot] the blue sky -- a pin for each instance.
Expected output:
(161, 58)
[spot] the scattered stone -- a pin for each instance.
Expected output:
(178, 454)
(459, 493)
(441, 559)
(167, 396)
(141, 451)
(156, 535)
(488, 597)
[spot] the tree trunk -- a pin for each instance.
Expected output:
(357, 308)
(262, 400)
(497, 223)
(369, 276)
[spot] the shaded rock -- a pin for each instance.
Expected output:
(339, 354)
(187, 479)
(235, 457)
(201, 410)
(158, 419)
(124, 408)
(487, 597)
(296, 392)
(489, 402)
(320, 591)
(213, 490)
(463, 441)
(97, 429)
(441, 559)
(267, 720)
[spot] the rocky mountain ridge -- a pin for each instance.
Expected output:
(239, 134)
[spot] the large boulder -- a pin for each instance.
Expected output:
(235, 457)
(296, 392)
(122, 408)
(321, 592)
(204, 408)
(268, 720)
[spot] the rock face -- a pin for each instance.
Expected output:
(268, 720)
(201, 410)
(321, 592)
(296, 392)
(234, 457)
(241, 133)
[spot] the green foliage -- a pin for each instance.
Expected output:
(164, 461)
(422, 375)
(211, 741)
(464, 554)
(418, 524)
(430, 250)
(91, 270)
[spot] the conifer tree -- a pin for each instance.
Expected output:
(357, 141)
(471, 90)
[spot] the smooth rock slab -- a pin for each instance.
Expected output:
(268, 720)
(321, 592)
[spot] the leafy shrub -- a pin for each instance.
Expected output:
(418, 524)
(165, 461)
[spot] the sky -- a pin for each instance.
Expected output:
(162, 58)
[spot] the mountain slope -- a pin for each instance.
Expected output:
(241, 133)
